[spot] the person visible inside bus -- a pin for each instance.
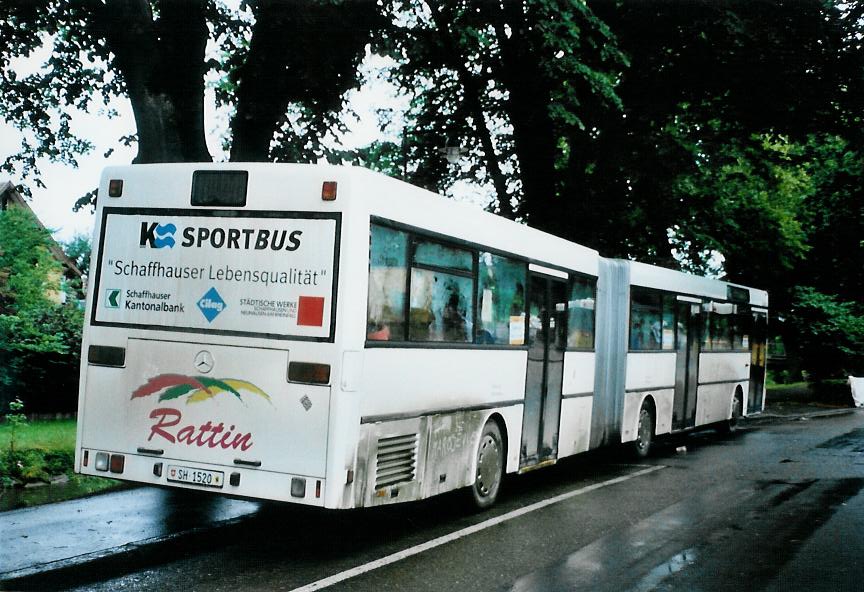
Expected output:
(636, 334)
(378, 332)
(377, 328)
(453, 321)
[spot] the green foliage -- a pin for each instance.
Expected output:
(830, 334)
(512, 84)
(16, 420)
(78, 249)
(723, 137)
(39, 339)
(745, 199)
(383, 157)
(45, 450)
(53, 434)
(30, 271)
(280, 69)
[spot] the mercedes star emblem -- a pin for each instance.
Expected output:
(204, 361)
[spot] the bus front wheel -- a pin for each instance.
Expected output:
(490, 467)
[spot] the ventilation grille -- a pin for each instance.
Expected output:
(397, 460)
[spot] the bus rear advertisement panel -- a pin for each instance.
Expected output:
(244, 272)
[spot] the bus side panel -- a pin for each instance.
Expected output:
(720, 373)
(662, 398)
(575, 425)
(649, 373)
(444, 378)
(397, 379)
(416, 458)
(391, 461)
(577, 403)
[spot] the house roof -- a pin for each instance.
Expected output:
(10, 197)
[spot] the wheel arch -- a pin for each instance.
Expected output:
(651, 402)
(652, 405)
(739, 393)
(497, 418)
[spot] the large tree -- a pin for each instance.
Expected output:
(509, 83)
(282, 57)
(693, 133)
(681, 132)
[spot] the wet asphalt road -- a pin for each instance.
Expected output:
(773, 507)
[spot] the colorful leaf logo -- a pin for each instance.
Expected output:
(195, 388)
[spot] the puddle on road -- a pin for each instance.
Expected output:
(665, 569)
(852, 441)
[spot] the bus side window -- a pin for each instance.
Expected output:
(741, 324)
(388, 254)
(646, 320)
(580, 334)
(500, 300)
(669, 321)
(442, 294)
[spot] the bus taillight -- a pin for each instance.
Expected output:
(309, 373)
(118, 463)
(328, 191)
(115, 187)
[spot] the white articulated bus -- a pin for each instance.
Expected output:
(333, 337)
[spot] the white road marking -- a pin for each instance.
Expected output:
(453, 536)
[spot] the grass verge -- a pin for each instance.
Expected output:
(42, 453)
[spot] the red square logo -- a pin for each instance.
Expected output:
(310, 311)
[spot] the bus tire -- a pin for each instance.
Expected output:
(641, 446)
(490, 467)
(731, 425)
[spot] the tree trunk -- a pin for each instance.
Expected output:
(162, 64)
(302, 51)
(528, 110)
(472, 86)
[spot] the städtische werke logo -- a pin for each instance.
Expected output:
(210, 434)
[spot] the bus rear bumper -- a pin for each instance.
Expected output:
(246, 482)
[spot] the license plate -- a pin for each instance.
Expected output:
(196, 476)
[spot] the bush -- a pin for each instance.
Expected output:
(829, 334)
(39, 339)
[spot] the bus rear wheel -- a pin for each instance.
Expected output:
(490, 467)
(641, 446)
(730, 425)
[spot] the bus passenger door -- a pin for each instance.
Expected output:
(688, 321)
(758, 354)
(547, 341)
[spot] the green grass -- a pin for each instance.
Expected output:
(51, 435)
(44, 449)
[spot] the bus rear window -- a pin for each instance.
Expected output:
(219, 188)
